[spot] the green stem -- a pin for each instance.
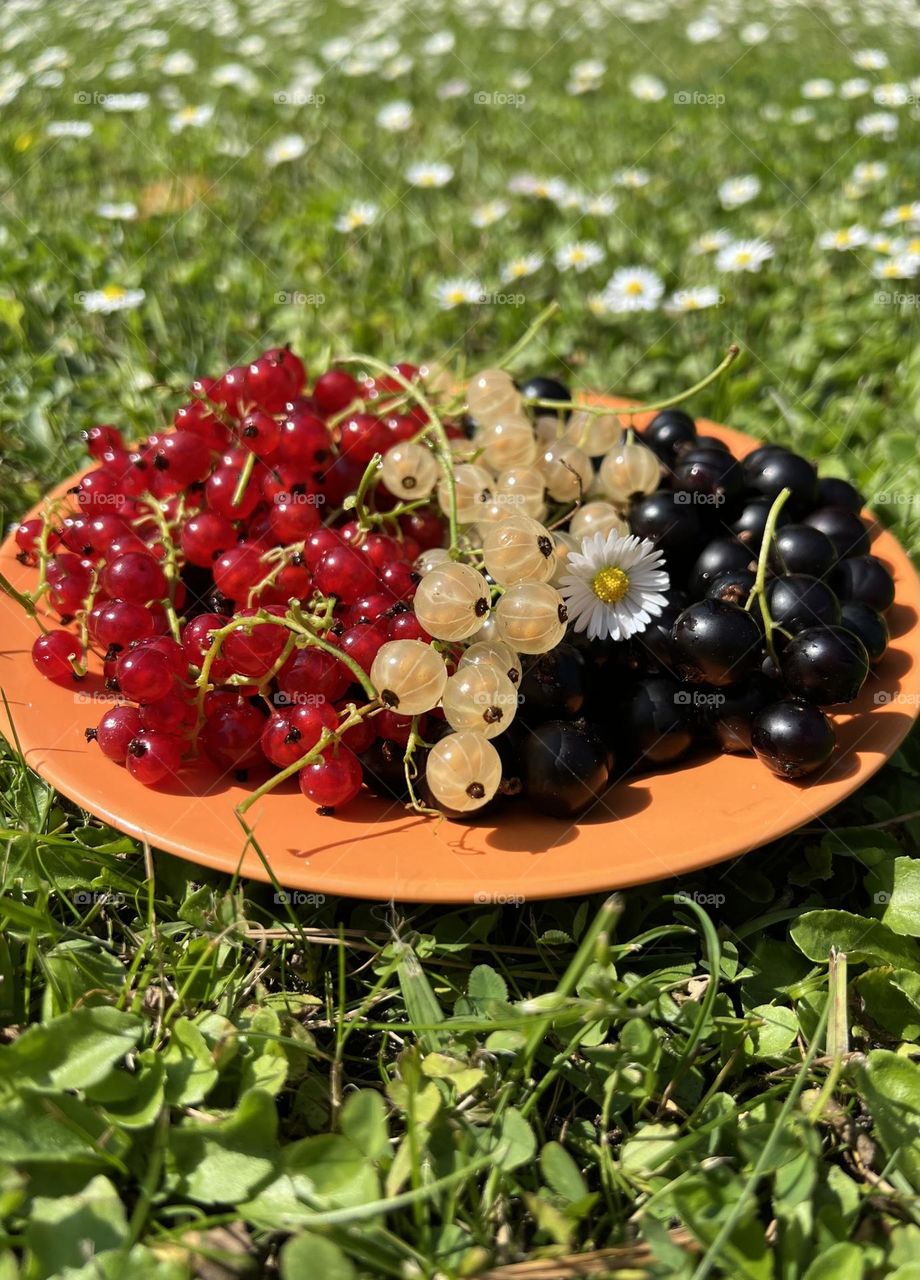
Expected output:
(415, 741)
(758, 591)
(528, 335)
(170, 560)
(356, 503)
(243, 481)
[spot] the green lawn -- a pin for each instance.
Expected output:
(196, 1080)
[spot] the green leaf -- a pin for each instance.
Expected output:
(486, 984)
(562, 1173)
(60, 1232)
(516, 1135)
(36, 1127)
(892, 999)
(864, 941)
(189, 1062)
(227, 1161)
(841, 1261)
(775, 1034)
(364, 1122)
(891, 1085)
(73, 1051)
(902, 911)
(648, 1148)
(312, 1255)
(703, 1202)
(440, 1066)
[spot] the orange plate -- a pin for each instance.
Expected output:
(658, 825)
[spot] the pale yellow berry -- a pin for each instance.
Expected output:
(549, 429)
(629, 471)
(496, 653)
(518, 549)
(531, 617)
(480, 698)
(597, 517)
(463, 771)
(409, 676)
(474, 489)
(594, 433)
(567, 471)
(521, 489)
(437, 377)
(565, 543)
(491, 395)
(507, 442)
(409, 470)
(452, 601)
(430, 559)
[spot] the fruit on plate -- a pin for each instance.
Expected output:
(457, 597)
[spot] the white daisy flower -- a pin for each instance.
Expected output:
(190, 118)
(117, 212)
(856, 87)
(597, 304)
(815, 89)
(711, 241)
(179, 63)
(904, 266)
(647, 88)
(68, 129)
(486, 215)
(734, 192)
(289, 147)
(429, 175)
(518, 268)
(632, 178)
(883, 243)
(588, 69)
(697, 299)
(456, 88)
(519, 80)
(845, 238)
(395, 117)
(125, 102)
(870, 59)
(234, 75)
(877, 124)
(704, 29)
(744, 255)
(601, 206)
(10, 86)
(438, 44)
(802, 115)
(360, 214)
(458, 292)
(901, 214)
(870, 171)
(336, 49)
(579, 255)
(891, 95)
(614, 586)
(633, 289)
(397, 67)
(112, 298)
(755, 33)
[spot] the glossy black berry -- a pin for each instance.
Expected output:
(667, 431)
(552, 685)
(716, 643)
(846, 530)
(566, 766)
(734, 588)
(825, 665)
(800, 548)
(539, 387)
(799, 600)
(654, 647)
(770, 471)
(655, 721)
(730, 715)
(868, 624)
(839, 493)
(792, 738)
(865, 578)
(673, 524)
(710, 472)
(721, 556)
(751, 522)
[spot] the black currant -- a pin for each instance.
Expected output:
(731, 711)
(674, 525)
(717, 643)
(839, 493)
(552, 685)
(539, 387)
(798, 600)
(868, 624)
(722, 555)
(654, 722)
(825, 665)
(752, 521)
(800, 548)
(846, 530)
(734, 587)
(667, 431)
(566, 766)
(713, 472)
(792, 738)
(771, 470)
(865, 579)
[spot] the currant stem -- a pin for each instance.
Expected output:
(245, 475)
(170, 561)
(409, 768)
(528, 335)
(758, 591)
(24, 601)
(356, 503)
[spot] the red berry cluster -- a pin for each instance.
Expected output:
(235, 602)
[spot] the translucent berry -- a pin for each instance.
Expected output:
(54, 653)
(409, 471)
(518, 549)
(153, 757)
(493, 653)
(409, 676)
(452, 601)
(629, 471)
(567, 471)
(597, 517)
(593, 433)
(332, 782)
(115, 730)
(481, 698)
(463, 771)
(473, 485)
(531, 617)
(492, 394)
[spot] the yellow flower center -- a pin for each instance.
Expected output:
(634, 287)
(743, 258)
(113, 291)
(610, 585)
(842, 237)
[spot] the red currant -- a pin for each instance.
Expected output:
(238, 570)
(54, 653)
(221, 488)
(332, 781)
(206, 536)
(153, 757)
(118, 622)
(362, 641)
(335, 390)
(313, 672)
(144, 675)
(115, 730)
(102, 439)
(305, 440)
(134, 576)
(260, 433)
(231, 737)
(344, 573)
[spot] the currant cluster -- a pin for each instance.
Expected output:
(366, 583)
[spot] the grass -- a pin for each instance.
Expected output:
(717, 1077)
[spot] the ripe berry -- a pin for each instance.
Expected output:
(238, 570)
(362, 642)
(153, 757)
(232, 391)
(723, 555)
(361, 436)
(653, 725)
(770, 470)
(566, 768)
(115, 730)
(868, 624)
(866, 580)
(667, 430)
(798, 601)
(334, 391)
(275, 378)
(304, 439)
(800, 548)
(294, 518)
(220, 490)
(846, 530)
(825, 665)
(172, 714)
(102, 439)
(135, 576)
(119, 622)
(716, 643)
(144, 674)
(314, 672)
(231, 736)
(540, 387)
(792, 738)
(711, 472)
(184, 457)
(553, 685)
(205, 536)
(839, 493)
(332, 782)
(254, 653)
(260, 433)
(292, 732)
(344, 573)
(54, 653)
